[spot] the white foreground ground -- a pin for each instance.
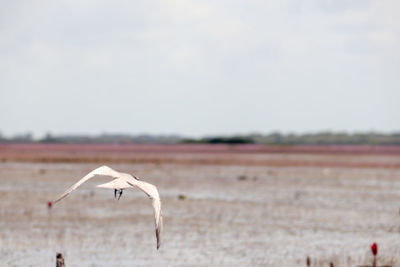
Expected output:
(230, 216)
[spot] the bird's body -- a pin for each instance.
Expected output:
(120, 182)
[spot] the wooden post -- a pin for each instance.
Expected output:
(59, 260)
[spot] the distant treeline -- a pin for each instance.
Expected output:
(322, 138)
(97, 139)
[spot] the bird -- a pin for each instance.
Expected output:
(120, 182)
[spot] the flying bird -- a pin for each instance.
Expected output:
(120, 182)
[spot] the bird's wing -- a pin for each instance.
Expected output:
(103, 170)
(152, 192)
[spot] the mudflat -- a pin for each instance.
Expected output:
(222, 207)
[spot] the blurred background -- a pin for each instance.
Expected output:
(271, 128)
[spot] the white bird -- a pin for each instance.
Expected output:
(123, 181)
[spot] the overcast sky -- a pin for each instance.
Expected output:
(199, 67)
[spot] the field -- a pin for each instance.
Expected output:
(223, 205)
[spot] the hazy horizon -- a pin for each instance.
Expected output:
(36, 137)
(199, 68)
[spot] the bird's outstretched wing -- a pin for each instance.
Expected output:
(152, 192)
(103, 170)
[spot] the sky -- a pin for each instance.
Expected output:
(199, 67)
